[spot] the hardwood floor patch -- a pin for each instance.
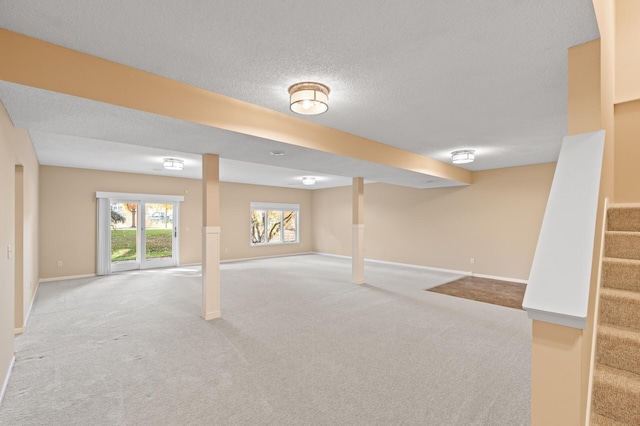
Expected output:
(503, 293)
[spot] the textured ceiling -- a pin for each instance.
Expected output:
(429, 77)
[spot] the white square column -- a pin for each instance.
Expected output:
(357, 241)
(210, 237)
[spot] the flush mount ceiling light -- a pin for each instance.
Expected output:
(463, 156)
(173, 164)
(309, 98)
(308, 180)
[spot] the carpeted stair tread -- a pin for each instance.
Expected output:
(622, 244)
(621, 273)
(598, 420)
(623, 219)
(616, 394)
(619, 347)
(620, 307)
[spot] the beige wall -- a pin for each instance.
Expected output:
(16, 149)
(496, 221)
(627, 152)
(627, 50)
(18, 235)
(68, 216)
(235, 219)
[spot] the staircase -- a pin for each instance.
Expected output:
(616, 381)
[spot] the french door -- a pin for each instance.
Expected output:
(144, 234)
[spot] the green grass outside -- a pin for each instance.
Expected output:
(123, 244)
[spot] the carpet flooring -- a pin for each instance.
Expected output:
(503, 293)
(298, 344)
(616, 384)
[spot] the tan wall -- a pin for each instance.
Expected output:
(18, 270)
(26, 157)
(496, 221)
(16, 149)
(627, 152)
(68, 216)
(235, 219)
(583, 114)
(627, 51)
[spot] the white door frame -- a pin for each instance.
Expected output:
(142, 243)
(142, 200)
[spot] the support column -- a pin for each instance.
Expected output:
(357, 250)
(210, 237)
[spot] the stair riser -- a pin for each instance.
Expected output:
(623, 219)
(622, 312)
(622, 353)
(622, 246)
(625, 276)
(619, 404)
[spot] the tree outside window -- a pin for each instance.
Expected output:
(274, 225)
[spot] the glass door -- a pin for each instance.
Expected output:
(124, 236)
(143, 235)
(160, 233)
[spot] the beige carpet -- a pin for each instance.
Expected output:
(616, 391)
(298, 344)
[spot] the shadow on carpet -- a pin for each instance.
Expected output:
(503, 293)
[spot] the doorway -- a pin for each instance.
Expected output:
(144, 234)
(18, 252)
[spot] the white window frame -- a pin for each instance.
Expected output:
(281, 207)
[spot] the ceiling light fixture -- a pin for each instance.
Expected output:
(173, 164)
(308, 180)
(463, 156)
(309, 98)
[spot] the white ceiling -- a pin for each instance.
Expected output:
(429, 77)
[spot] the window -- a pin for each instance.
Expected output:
(274, 223)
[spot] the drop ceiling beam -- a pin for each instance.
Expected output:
(36, 63)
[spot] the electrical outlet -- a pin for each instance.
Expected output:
(473, 260)
(59, 262)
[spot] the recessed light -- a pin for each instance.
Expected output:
(277, 153)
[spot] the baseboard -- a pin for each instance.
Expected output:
(493, 277)
(339, 256)
(6, 377)
(428, 268)
(70, 277)
(431, 268)
(624, 205)
(19, 330)
(266, 257)
(210, 315)
(33, 298)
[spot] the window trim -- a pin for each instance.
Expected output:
(281, 207)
